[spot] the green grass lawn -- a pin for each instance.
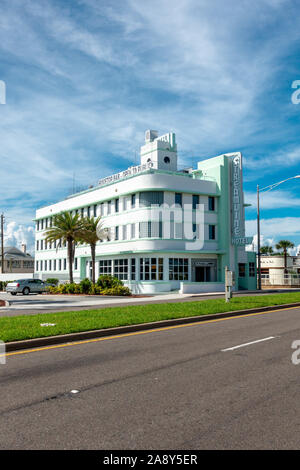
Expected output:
(28, 326)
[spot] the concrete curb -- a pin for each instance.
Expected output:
(85, 335)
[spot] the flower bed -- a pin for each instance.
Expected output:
(106, 285)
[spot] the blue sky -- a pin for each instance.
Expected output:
(86, 78)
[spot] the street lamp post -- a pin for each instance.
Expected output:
(266, 189)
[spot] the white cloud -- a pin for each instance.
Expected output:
(275, 228)
(272, 200)
(16, 235)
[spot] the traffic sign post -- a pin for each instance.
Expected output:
(229, 283)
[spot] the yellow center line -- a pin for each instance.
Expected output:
(166, 328)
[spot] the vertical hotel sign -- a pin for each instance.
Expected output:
(238, 230)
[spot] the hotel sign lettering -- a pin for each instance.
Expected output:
(125, 174)
(238, 234)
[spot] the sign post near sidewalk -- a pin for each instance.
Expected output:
(229, 282)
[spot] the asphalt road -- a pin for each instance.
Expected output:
(170, 389)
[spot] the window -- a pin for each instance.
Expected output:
(59, 264)
(251, 269)
(41, 265)
(121, 269)
(151, 269)
(212, 232)
(65, 264)
(42, 243)
(133, 269)
(149, 198)
(242, 269)
(82, 212)
(46, 223)
(50, 264)
(37, 265)
(167, 160)
(42, 224)
(116, 233)
(132, 201)
(195, 201)
(102, 208)
(104, 267)
(178, 269)
(37, 245)
(144, 229)
(132, 230)
(178, 199)
(89, 211)
(38, 225)
(54, 265)
(195, 231)
(178, 230)
(117, 205)
(45, 265)
(108, 207)
(75, 264)
(95, 210)
(28, 264)
(211, 203)
(124, 236)
(150, 229)
(125, 203)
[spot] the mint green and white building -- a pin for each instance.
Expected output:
(146, 254)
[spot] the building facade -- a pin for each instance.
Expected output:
(16, 260)
(274, 274)
(169, 229)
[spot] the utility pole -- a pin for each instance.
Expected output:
(2, 243)
(258, 241)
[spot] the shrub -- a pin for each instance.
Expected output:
(117, 290)
(77, 289)
(85, 286)
(52, 289)
(71, 288)
(106, 281)
(3, 285)
(63, 288)
(52, 280)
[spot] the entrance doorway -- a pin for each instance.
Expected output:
(203, 273)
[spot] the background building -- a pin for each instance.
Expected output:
(273, 271)
(17, 261)
(139, 252)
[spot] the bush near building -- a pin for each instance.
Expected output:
(52, 280)
(106, 285)
(3, 285)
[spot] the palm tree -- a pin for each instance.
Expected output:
(92, 231)
(284, 245)
(266, 250)
(65, 228)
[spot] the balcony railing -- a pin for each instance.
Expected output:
(289, 280)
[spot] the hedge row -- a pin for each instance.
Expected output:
(106, 285)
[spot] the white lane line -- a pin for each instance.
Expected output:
(248, 344)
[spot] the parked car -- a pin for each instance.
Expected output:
(26, 286)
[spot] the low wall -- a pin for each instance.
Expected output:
(16, 276)
(201, 287)
(148, 287)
